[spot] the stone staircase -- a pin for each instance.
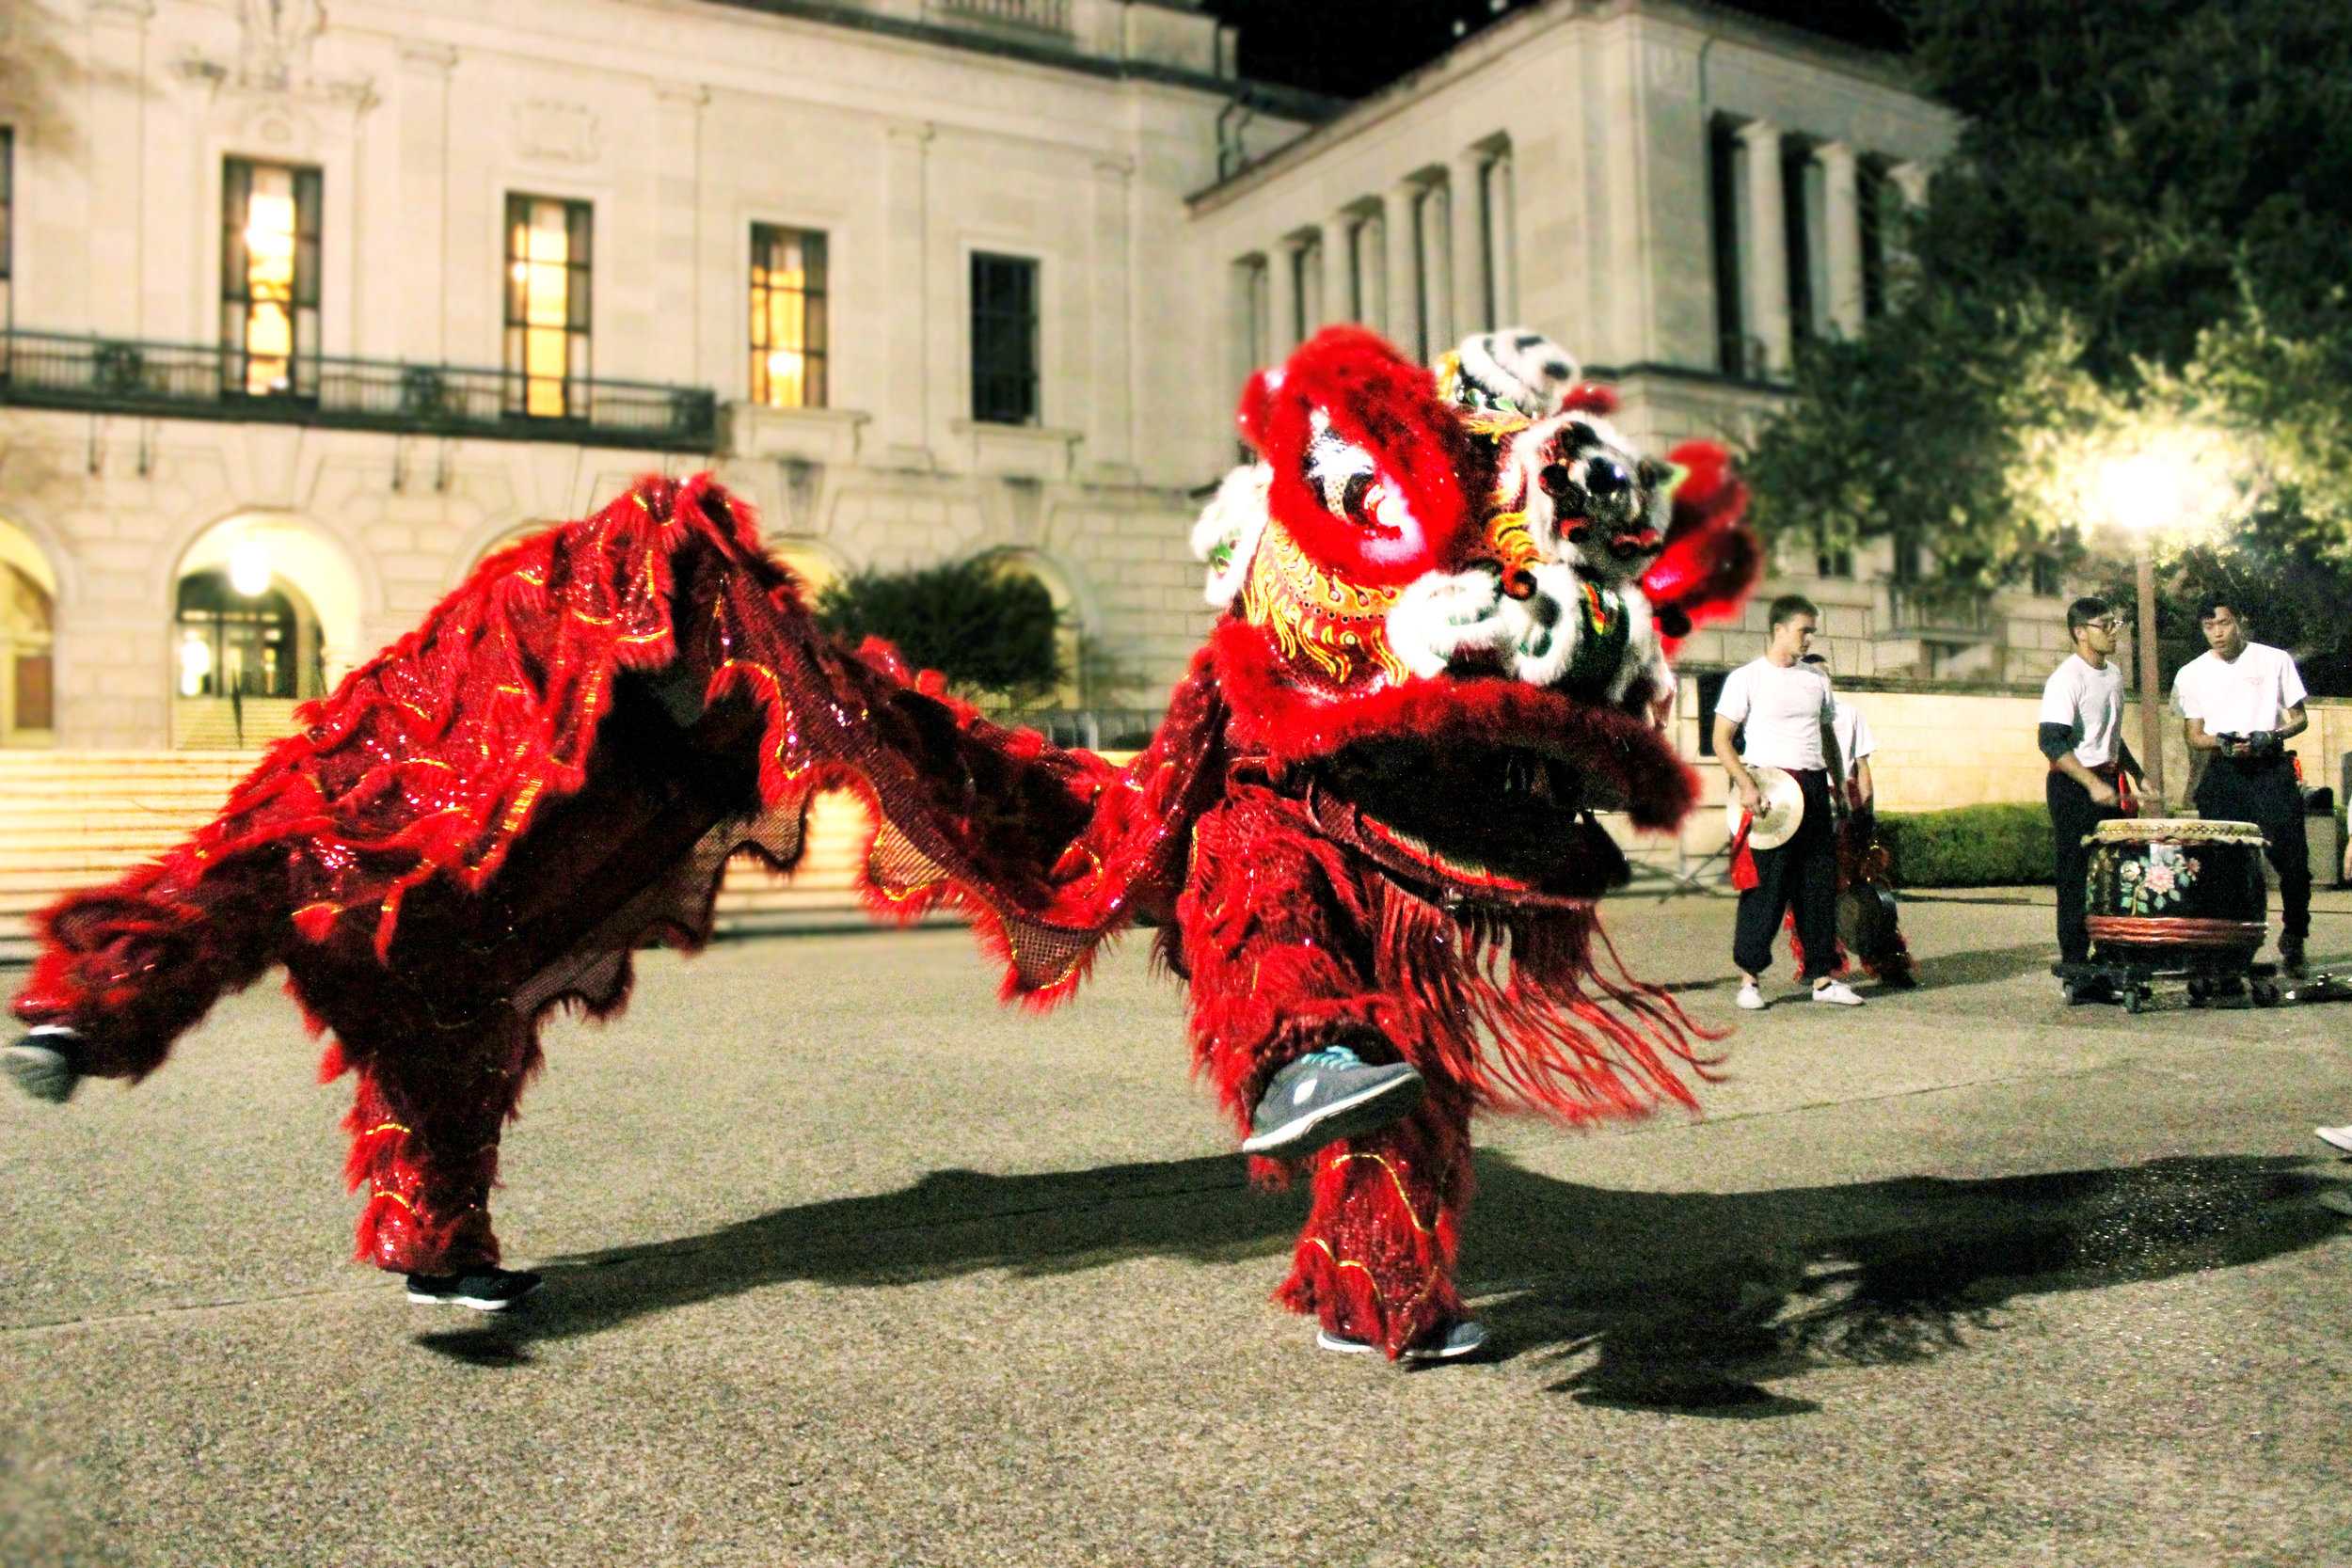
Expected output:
(212, 723)
(71, 819)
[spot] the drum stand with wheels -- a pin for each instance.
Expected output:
(2217, 978)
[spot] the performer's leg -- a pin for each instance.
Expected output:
(2072, 814)
(1375, 1261)
(424, 1129)
(2282, 821)
(1815, 887)
(1760, 912)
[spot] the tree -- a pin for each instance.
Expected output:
(2142, 231)
(988, 631)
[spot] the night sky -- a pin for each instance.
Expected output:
(1348, 48)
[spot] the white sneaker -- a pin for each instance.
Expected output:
(1750, 997)
(2339, 1137)
(1837, 992)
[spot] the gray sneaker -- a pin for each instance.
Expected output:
(1462, 1339)
(1325, 1095)
(44, 1063)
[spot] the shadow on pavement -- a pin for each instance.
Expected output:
(1985, 966)
(1677, 1301)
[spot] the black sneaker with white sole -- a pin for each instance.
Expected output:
(1466, 1337)
(484, 1289)
(1325, 1095)
(46, 1064)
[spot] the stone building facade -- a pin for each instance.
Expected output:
(305, 311)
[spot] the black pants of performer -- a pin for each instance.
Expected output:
(2264, 793)
(1802, 872)
(2073, 814)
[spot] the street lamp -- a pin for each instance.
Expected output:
(2143, 495)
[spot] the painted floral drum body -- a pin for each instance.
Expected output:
(2168, 888)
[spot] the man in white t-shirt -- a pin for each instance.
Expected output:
(2082, 734)
(1784, 707)
(2239, 702)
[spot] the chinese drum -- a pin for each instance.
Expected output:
(2176, 891)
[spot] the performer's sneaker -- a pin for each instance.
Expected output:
(1838, 993)
(2335, 1137)
(1325, 1095)
(1459, 1340)
(484, 1289)
(45, 1063)
(2291, 958)
(1750, 997)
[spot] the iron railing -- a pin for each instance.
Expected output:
(50, 369)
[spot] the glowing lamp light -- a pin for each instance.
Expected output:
(250, 566)
(2145, 491)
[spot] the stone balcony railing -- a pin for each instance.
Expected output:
(50, 369)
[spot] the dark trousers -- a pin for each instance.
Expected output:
(2265, 794)
(2073, 814)
(1802, 872)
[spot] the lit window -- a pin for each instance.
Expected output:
(788, 317)
(270, 278)
(1004, 340)
(547, 308)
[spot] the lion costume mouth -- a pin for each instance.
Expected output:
(1507, 821)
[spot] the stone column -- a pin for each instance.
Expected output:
(1242, 338)
(423, 263)
(1338, 249)
(678, 243)
(1110, 433)
(118, 162)
(1466, 223)
(1282, 294)
(1845, 235)
(1766, 272)
(1502, 239)
(901, 405)
(1437, 269)
(1371, 251)
(1402, 269)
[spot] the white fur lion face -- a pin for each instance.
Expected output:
(1227, 534)
(1588, 497)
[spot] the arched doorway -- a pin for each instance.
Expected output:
(265, 615)
(1070, 639)
(28, 630)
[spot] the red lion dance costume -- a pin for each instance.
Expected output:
(487, 818)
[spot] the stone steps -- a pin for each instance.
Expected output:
(72, 819)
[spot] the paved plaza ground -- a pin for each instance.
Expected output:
(848, 1266)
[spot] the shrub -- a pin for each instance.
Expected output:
(987, 630)
(1991, 846)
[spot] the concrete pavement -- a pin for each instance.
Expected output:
(848, 1266)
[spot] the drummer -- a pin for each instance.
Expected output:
(2240, 702)
(1785, 708)
(2082, 734)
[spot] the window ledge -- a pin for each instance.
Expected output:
(1022, 451)
(753, 430)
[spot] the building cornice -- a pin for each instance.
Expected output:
(1524, 27)
(1269, 97)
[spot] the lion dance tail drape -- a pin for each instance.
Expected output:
(489, 817)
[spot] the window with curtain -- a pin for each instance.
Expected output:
(548, 278)
(269, 278)
(1004, 340)
(789, 323)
